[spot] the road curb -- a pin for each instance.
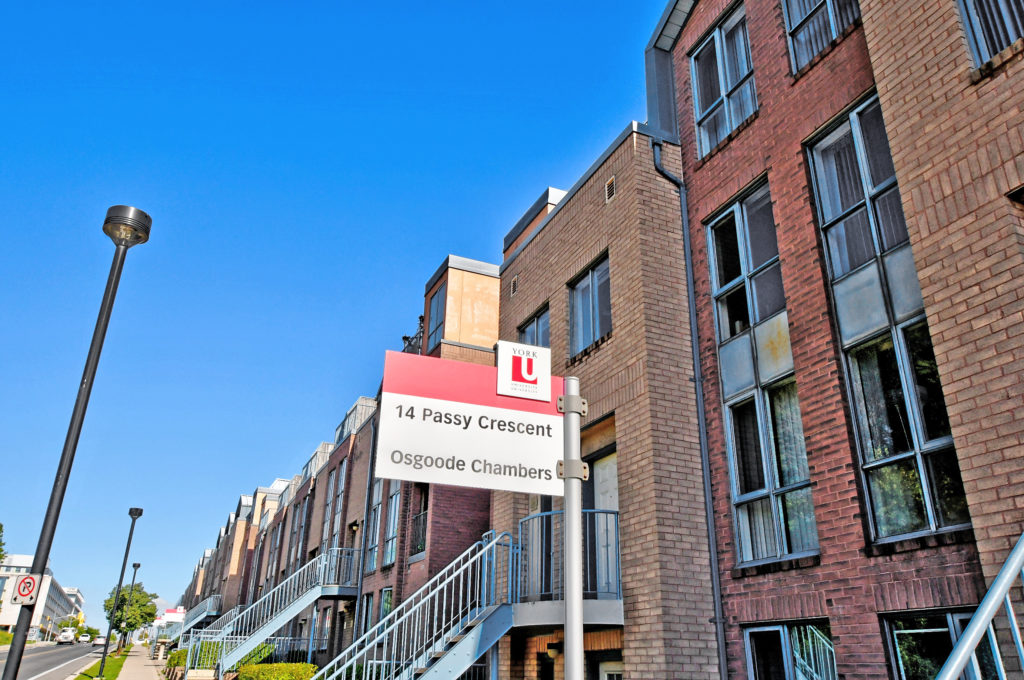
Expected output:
(81, 670)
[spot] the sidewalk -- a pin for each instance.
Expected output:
(138, 665)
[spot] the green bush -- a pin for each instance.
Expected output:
(277, 671)
(176, 659)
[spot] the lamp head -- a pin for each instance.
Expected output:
(135, 513)
(136, 565)
(127, 226)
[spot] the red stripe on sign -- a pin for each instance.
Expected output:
(420, 376)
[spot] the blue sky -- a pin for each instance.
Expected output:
(307, 166)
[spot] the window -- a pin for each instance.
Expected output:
(437, 307)
(537, 331)
(339, 497)
(771, 483)
(908, 463)
(385, 603)
(293, 540)
(590, 307)
(993, 25)
(325, 628)
(920, 644)
(391, 530)
(813, 24)
(723, 82)
(790, 652)
(367, 612)
(373, 529)
(325, 537)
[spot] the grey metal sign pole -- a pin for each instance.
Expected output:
(573, 470)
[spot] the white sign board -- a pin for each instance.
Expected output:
(26, 589)
(443, 422)
(524, 371)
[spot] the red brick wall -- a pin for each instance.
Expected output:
(847, 585)
(958, 148)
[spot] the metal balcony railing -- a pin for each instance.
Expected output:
(416, 632)
(980, 631)
(541, 556)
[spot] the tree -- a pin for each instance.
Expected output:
(3, 554)
(136, 609)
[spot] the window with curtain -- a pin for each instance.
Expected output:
(723, 82)
(992, 25)
(908, 462)
(391, 529)
(436, 313)
(771, 484)
(590, 308)
(813, 24)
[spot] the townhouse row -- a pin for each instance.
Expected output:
(794, 301)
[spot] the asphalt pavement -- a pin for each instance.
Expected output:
(52, 662)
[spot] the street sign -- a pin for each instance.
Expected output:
(26, 589)
(443, 422)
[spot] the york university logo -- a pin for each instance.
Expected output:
(524, 369)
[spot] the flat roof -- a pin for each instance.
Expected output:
(464, 264)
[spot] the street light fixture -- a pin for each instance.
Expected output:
(126, 226)
(134, 513)
(130, 600)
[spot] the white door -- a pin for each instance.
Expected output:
(606, 497)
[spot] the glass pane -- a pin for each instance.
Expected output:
(926, 382)
(921, 648)
(749, 464)
(849, 243)
(839, 176)
(742, 103)
(706, 68)
(882, 410)
(879, 158)
(737, 59)
(544, 329)
(602, 301)
(714, 129)
(736, 362)
(811, 38)
(889, 212)
(999, 24)
(813, 652)
(768, 292)
(947, 488)
(788, 435)
(582, 323)
(896, 494)
(774, 353)
(761, 238)
(727, 251)
(798, 9)
(733, 315)
(528, 334)
(757, 531)
(860, 306)
(848, 11)
(798, 521)
(904, 289)
(766, 656)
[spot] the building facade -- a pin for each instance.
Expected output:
(60, 607)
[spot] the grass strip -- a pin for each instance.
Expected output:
(110, 671)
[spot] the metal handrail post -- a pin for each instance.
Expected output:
(573, 527)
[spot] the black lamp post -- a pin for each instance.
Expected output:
(126, 226)
(131, 598)
(134, 513)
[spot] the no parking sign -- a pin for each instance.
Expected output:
(26, 588)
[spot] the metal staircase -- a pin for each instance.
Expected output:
(236, 638)
(208, 607)
(442, 628)
(814, 656)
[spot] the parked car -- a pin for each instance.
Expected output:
(66, 637)
(84, 637)
(99, 641)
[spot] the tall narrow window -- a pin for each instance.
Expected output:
(436, 313)
(537, 331)
(813, 24)
(723, 82)
(338, 502)
(373, 529)
(391, 530)
(771, 483)
(367, 612)
(590, 307)
(325, 628)
(790, 652)
(993, 25)
(329, 500)
(385, 602)
(907, 459)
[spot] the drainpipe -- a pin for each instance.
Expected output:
(366, 513)
(698, 378)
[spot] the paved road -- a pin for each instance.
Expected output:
(52, 662)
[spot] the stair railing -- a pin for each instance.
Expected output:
(997, 597)
(814, 653)
(429, 619)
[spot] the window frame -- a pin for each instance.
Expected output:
(328, 515)
(339, 491)
(956, 622)
(534, 323)
(595, 333)
(894, 329)
(980, 50)
(785, 631)
(723, 101)
(436, 313)
(391, 528)
(760, 392)
(835, 30)
(373, 529)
